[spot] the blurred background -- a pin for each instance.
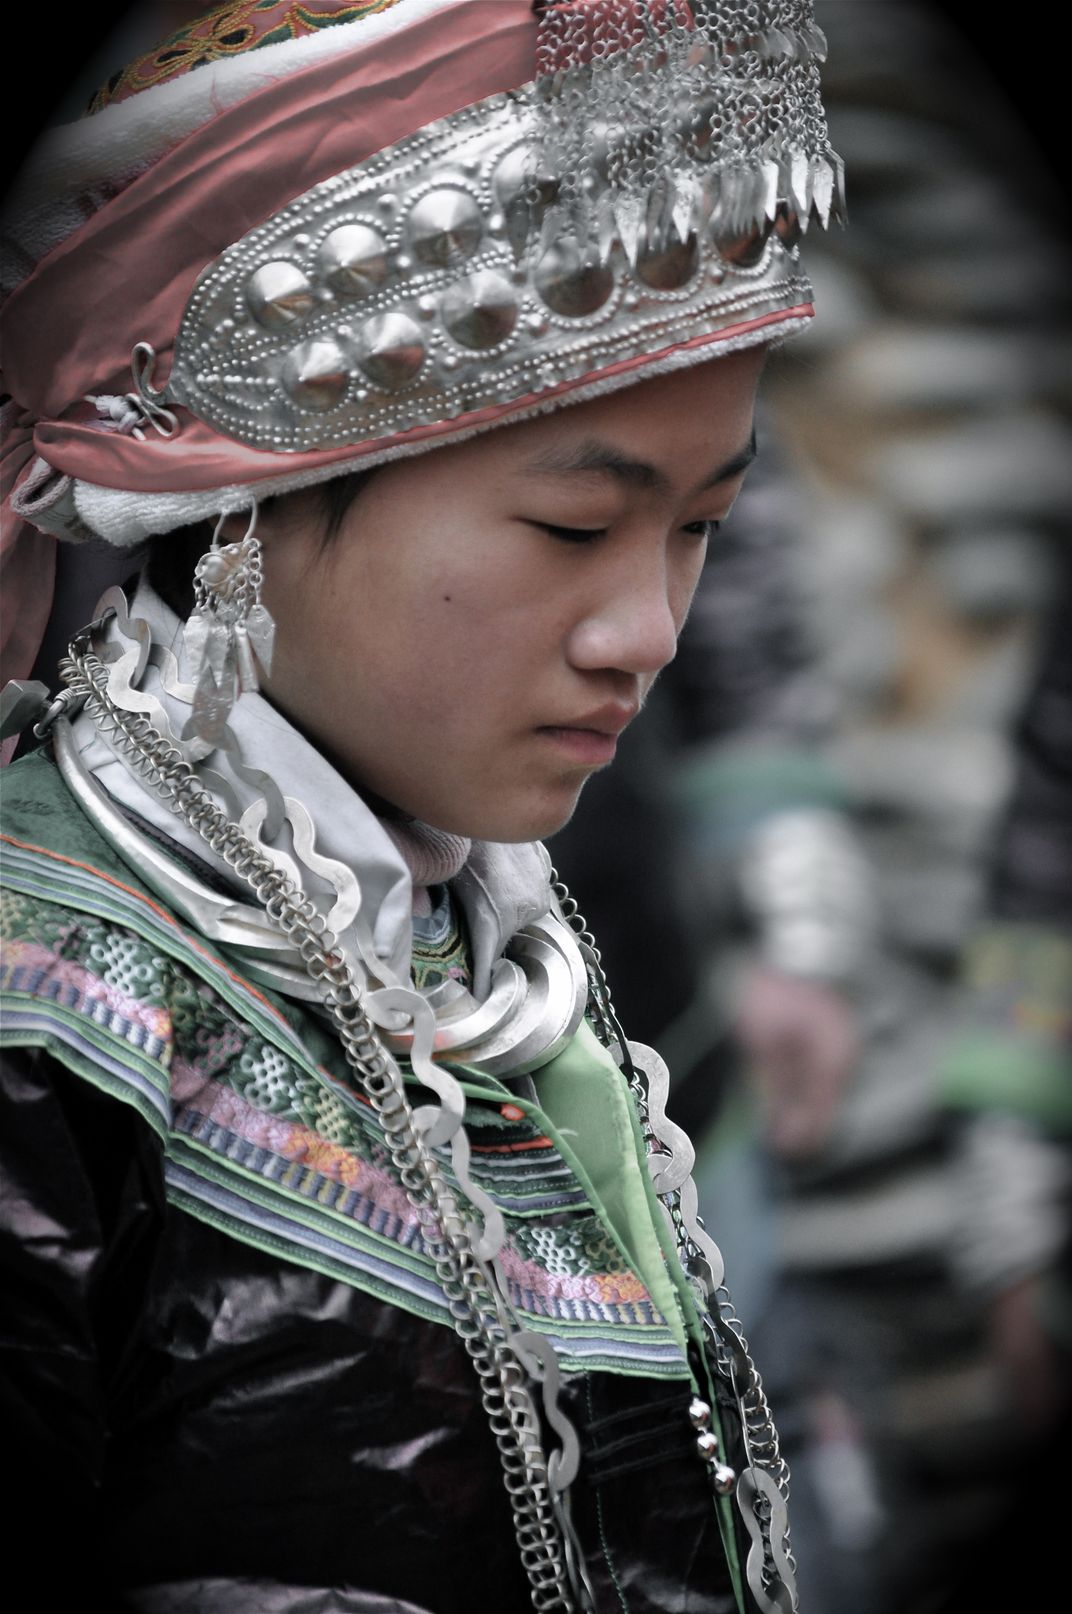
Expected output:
(832, 875)
(848, 826)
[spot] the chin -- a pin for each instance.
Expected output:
(511, 817)
(509, 829)
(536, 824)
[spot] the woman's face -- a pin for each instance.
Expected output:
(491, 615)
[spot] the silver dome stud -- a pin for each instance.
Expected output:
(743, 251)
(669, 267)
(524, 194)
(391, 350)
(279, 294)
(445, 227)
(316, 374)
(354, 260)
(480, 311)
(572, 283)
(517, 180)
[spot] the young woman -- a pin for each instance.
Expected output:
(354, 1264)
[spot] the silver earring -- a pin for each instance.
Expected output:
(228, 633)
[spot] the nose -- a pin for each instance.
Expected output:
(631, 620)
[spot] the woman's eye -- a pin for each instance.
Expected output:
(585, 535)
(573, 535)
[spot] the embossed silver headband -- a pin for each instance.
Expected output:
(646, 193)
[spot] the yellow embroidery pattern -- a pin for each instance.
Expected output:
(228, 30)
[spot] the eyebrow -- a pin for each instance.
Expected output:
(593, 457)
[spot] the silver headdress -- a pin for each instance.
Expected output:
(646, 192)
(583, 194)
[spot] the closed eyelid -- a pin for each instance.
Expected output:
(703, 526)
(573, 535)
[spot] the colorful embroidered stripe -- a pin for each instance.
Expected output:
(263, 1140)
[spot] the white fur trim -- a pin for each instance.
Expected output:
(124, 519)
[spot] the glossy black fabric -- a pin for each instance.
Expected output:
(213, 1430)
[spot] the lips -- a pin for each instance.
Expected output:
(609, 719)
(592, 738)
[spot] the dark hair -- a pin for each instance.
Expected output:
(173, 557)
(337, 496)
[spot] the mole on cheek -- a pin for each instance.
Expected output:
(446, 599)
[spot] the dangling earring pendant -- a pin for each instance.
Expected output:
(229, 631)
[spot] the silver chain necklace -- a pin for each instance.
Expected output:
(503, 1354)
(505, 1357)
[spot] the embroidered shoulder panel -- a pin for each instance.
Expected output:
(264, 1135)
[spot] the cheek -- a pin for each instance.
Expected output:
(469, 611)
(319, 624)
(684, 581)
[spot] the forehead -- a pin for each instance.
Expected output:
(677, 433)
(652, 436)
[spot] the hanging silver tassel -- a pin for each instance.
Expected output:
(229, 632)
